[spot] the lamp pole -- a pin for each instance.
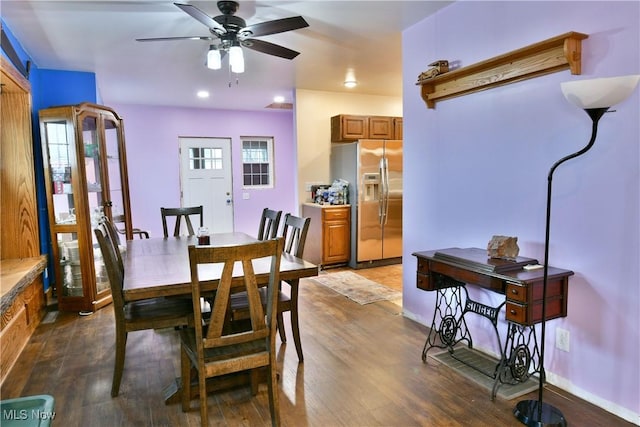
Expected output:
(536, 412)
(595, 96)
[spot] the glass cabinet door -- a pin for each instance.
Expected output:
(93, 167)
(60, 142)
(116, 192)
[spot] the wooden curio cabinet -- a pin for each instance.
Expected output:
(85, 171)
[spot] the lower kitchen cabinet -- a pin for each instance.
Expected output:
(329, 236)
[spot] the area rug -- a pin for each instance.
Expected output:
(358, 288)
(484, 363)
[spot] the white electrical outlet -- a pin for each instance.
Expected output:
(562, 339)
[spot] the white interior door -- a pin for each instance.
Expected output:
(205, 179)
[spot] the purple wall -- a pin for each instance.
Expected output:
(152, 133)
(477, 166)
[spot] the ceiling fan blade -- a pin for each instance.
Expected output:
(156, 39)
(275, 26)
(270, 48)
(202, 17)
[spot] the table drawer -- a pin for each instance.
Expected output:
(529, 314)
(422, 281)
(516, 292)
(516, 313)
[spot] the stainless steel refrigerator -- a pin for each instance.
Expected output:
(373, 169)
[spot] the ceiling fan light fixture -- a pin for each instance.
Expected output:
(214, 60)
(236, 59)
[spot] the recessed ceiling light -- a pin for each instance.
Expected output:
(278, 99)
(350, 84)
(203, 94)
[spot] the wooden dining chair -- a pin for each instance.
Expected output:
(117, 219)
(181, 213)
(152, 313)
(294, 233)
(216, 348)
(269, 223)
(114, 239)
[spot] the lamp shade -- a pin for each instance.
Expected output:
(599, 93)
(214, 60)
(236, 59)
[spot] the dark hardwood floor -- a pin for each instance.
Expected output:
(362, 367)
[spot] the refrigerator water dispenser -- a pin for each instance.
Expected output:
(371, 187)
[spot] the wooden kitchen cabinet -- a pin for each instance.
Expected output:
(348, 128)
(380, 127)
(329, 236)
(85, 173)
(397, 128)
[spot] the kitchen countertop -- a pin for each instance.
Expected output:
(317, 205)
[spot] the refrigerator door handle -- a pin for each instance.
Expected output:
(381, 198)
(385, 189)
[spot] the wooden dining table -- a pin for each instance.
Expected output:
(159, 267)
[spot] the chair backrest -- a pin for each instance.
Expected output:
(218, 334)
(295, 234)
(180, 213)
(112, 234)
(118, 219)
(269, 223)
(114, 272)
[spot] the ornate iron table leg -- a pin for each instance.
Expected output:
(523, 357)
(448, 326)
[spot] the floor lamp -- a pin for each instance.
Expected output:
(595, 96)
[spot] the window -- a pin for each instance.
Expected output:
(257, 162)
(205, 158)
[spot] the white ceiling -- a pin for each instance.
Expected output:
(99, 36)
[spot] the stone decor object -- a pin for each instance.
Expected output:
(503, 247)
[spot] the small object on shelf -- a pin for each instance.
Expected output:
(503, 247)
(438, 67)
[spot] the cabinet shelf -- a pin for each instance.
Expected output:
(549, 56)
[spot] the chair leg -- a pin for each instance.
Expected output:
(253, 378)
(121, 346)
(295, 327)
(202, 388)
(283, 335)
(185, 373)
(296, 334)
(274, 401)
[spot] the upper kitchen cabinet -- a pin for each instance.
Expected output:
(348, 128)
(86, 177)
(397, 128)
(380, 127)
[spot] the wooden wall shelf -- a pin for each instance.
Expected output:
(549, 56)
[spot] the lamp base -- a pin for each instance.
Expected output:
(526, 411)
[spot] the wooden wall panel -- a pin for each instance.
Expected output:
(18, 217)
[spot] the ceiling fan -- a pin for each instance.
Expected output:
(232, 32)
